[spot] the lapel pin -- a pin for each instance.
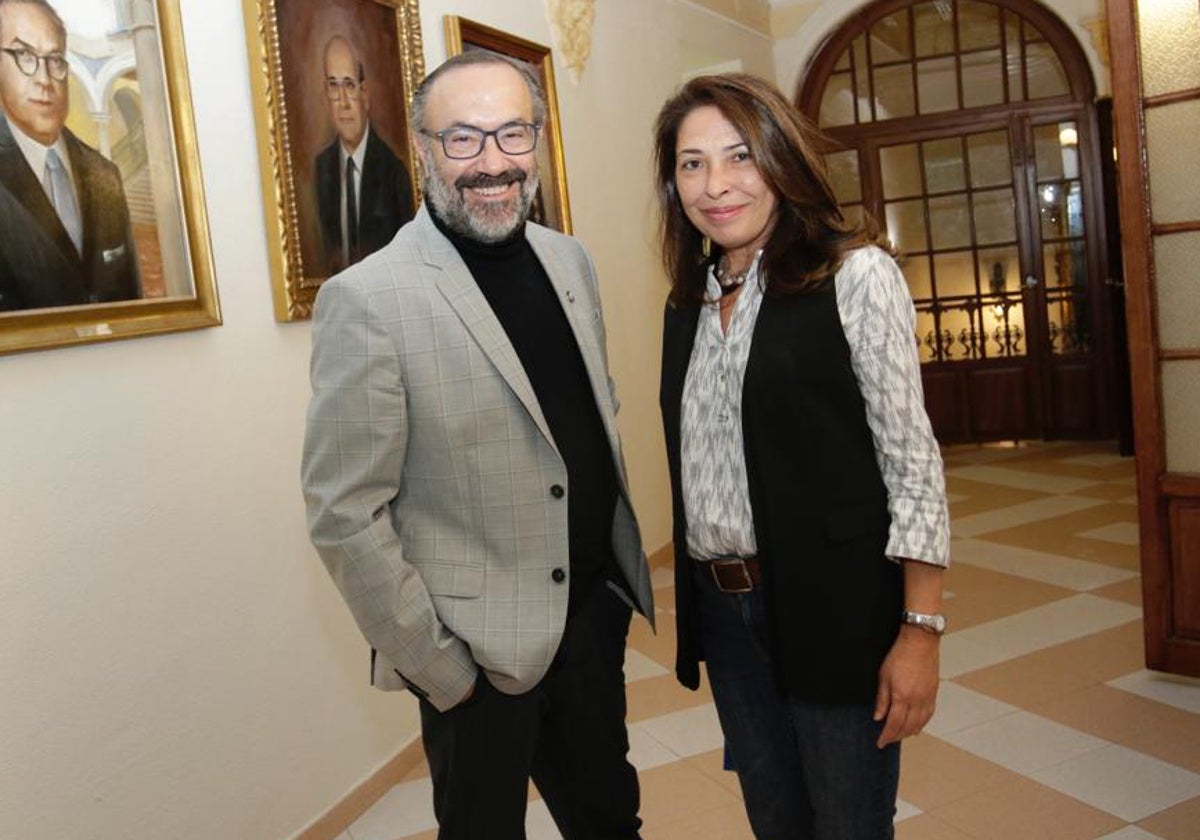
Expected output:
(570, 296)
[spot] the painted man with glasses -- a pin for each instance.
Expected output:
(364, 192)
(65, 236)
(464, 477)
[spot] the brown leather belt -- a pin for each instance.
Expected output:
(734, 575)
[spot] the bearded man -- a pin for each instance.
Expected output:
(464, 478)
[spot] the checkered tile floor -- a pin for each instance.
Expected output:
(1048, 727)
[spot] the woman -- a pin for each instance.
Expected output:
(809, 506)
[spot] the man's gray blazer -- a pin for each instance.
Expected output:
(428, 467)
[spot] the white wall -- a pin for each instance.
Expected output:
(800, 28)
(174, 662)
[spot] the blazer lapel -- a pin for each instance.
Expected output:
(24, 185)
(460, 290)
(678, 340)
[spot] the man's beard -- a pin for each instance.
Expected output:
(491, 221)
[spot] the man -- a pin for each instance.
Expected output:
(65, 236)
(464, 478)
(363, 190)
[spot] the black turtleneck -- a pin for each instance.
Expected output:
(519, 292)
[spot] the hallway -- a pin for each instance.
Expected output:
(1048, 728)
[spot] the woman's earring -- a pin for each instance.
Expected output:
(706, 247)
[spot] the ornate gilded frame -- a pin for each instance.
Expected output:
(295, 286)
(463, 34)
(60, 326)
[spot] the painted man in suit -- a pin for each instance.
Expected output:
(364, 193)
(464, 477)
(65, 236)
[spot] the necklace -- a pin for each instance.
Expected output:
(728, 280)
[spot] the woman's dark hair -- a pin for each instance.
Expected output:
(810, 235)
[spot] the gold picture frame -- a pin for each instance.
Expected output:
(301, 132)
(142, 262)
(553, 207)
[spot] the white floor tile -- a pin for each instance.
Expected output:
(638, 666)
(1130, 832)
(1125, 533)
(1031, 630)
(1024, 743)
(906, 811)
(1122, 782)
(645, 752)
(960, 708)
(405, 809)
(1096, 459)
(1067, 572)
(1180, 692)
(662, 577)
(1022, 514)
(539, 825)
(1005, 477)
(687, 732)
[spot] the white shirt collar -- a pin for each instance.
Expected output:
(360, 151)
(35, 153)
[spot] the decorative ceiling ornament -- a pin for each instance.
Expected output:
(572, 21)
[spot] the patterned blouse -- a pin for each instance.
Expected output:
(877, 317)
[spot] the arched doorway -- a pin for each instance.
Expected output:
(968, 129)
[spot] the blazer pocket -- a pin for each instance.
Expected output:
(857, 520)
(452, 580)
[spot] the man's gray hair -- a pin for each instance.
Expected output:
(467, 59)
(59, 26)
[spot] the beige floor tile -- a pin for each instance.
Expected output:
(927, 827)
(1102, 711)
(725, 823)
(1179, 823)
(982, 595)
(1024, 809)
(1129, 591)
(712, 764)
(420, 771)
(978, 497)
(1060, 534)
(934, 773)
(1110, 491)
(658, 646)
(674, 791)
(661, 695)
(1062, 669)
(1174, 738)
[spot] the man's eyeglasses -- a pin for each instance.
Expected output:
(463, 142)
(334, 88)
(27, 62)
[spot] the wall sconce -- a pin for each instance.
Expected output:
(1068, 137)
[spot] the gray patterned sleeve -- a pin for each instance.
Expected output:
(878, 319)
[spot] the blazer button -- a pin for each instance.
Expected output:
(557, 491)
(558, 576)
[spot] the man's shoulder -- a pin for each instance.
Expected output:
(90, 159)
(540, 235)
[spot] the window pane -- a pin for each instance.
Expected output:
(843, 62)
(934, 29)
(1056, 151)
(944, 165)
(937, 83)
(995, 216)
(1000, 271)
(955, 274)
(901, 171)
(1004, 328)
(906, 225)
(890, 39)
(1060, 206)
(1068, 314)
(916, 272)
(894, 95)
(949, 221)
(1013, 57)
(926, 337)
(990, 161)
(853, 213)
(837, 103)
(862, 78)
(963, 338)
(843, 175)
(978, 25)
(1045, 74)
(1065, 265)
(983, 79)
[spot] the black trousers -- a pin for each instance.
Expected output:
(567, 734)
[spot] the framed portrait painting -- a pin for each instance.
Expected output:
(551, 207)
(332, 80)
(103, 232)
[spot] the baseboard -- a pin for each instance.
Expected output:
(342, 814)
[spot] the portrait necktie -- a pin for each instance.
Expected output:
(63, 198)
(351, 213)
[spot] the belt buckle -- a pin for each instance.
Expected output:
(740, 565)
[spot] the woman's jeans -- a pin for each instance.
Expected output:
(808, 771)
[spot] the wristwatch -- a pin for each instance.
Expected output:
(935, 624)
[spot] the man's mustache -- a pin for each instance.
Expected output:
(482, 180)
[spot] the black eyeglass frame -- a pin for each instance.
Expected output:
(483, 136)
(49, 59)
